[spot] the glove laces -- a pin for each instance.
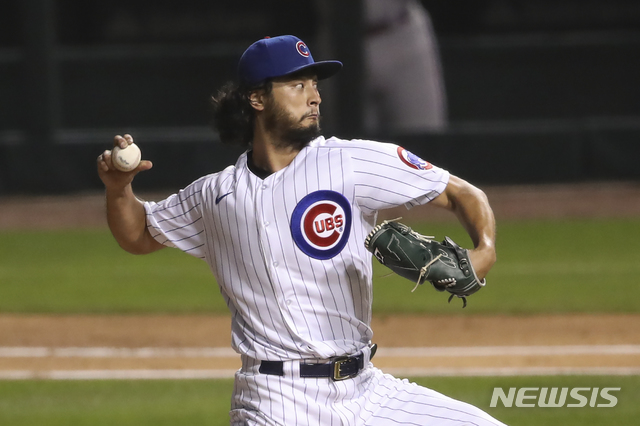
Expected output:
(423, 271)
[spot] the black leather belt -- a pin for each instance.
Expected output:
(340, 368)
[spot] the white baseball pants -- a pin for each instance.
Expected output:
(372, 398)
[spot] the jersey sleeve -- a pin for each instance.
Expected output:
(177, 220)
(387, 175)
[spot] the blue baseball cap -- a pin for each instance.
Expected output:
(279, 56)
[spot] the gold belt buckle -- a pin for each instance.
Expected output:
(337, 363)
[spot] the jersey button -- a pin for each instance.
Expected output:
(264, 186)
(275, 264)
(266, 224)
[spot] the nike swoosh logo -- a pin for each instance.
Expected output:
(218, 199)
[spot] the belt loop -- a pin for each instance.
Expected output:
(292, 369)
(373, 348)
(368, 351)
(249, 365)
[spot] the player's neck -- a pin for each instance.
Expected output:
(270, 157)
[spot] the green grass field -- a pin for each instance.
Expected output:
(195, 403)
(543, 266)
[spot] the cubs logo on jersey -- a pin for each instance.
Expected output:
(413, 160)
(321, 223)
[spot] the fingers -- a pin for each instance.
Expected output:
(104, 164)
(123, 141)
(104, 161)
(144, 165)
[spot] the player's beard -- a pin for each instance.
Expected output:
(289, 130)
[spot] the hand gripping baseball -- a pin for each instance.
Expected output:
(418, 258)
(119, 172)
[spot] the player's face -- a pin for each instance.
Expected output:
(292, 110)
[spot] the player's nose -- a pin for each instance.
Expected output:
(314, 97)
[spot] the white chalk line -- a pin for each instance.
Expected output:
(513, 371)
(408, 352)
(481, 351)
(384, 352)
(572, 268)
(228, 374)
(107, 352)
(131, 374)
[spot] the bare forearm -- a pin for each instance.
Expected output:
(126, 219)
(471, 207)
(125, 213)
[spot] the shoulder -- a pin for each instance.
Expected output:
(357, 147)
(368, 154)
(200, 188)
(204, 182)
(215, 181)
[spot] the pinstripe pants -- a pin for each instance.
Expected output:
(372, 398)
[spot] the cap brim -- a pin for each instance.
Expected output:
(322, 69)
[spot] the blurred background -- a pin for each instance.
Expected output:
(532, 91)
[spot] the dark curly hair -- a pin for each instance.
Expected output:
(232, 114)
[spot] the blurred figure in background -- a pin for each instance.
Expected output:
(405, 87)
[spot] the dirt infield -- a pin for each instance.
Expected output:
(590, 331)
(619, 199)
(201, 331)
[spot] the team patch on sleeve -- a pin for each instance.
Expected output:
(413, 160)
(321, 223)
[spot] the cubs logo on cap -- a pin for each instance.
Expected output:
(413, 160)
(302, 49)
(321, 224)
(279, 56)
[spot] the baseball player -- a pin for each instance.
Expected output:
(283, 232)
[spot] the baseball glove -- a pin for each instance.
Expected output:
(419, 258)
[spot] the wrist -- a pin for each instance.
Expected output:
(118, 191)
(483, 258)
(488, 251)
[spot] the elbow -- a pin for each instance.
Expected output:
(477, 193)
(143, 245)
(464, 193)
(132, 248)
(135, 250)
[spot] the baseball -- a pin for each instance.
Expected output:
(126, 159)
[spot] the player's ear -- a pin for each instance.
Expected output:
(256, 99)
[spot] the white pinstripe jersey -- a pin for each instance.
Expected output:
(288, 250)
